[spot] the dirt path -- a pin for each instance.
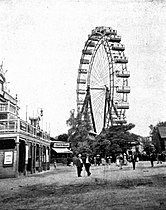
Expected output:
(107, 188)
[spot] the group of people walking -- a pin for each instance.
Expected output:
(154, 157)
(123, 159)
(133, 158)
(83, 161)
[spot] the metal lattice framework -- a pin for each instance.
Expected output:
(102, 82)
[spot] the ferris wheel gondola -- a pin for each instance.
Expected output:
(102, 82)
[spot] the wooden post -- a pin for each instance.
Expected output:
(34, 169)
(40, 158)
(17, 156)
(26, 158)
(32, 157)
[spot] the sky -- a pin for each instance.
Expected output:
(41, 43)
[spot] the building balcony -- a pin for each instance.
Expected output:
(8, 107)
(18, 126)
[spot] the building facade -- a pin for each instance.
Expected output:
(60, 151)
(162, 137)
(24, 147)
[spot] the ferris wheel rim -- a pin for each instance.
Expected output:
(101, 39)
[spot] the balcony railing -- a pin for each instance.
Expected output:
(8, 107)
(22, 127)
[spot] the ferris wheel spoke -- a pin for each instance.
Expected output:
(98, 61)
(97, 100)
(99, 81)
(100, 72)
(104, 64)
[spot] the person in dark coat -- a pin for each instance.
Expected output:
(79, 164)
(152, 158)
(133, 160)
(87, 164)
(159, 159)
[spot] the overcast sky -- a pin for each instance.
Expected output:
(41, 43)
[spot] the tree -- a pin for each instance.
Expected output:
(79, 132)
(63, 137)
(147, 145)
(114, 140)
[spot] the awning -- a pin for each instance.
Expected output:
(62, 150)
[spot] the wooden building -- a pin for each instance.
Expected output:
(24, 147)
(162, 137)
(60, 151)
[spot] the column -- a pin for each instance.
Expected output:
(48, 164)
(17, 156)
(40, 158)
(32, 158)
(44, 158)
(34, 169)
(26, 158)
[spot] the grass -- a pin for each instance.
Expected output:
(92, 194)
(108, 188)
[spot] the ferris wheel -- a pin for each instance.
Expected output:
(102, 82)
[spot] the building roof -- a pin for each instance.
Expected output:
(162, 131)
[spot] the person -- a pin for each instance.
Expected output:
(68, 161)
(159, 158)
(98, 160)
(133, 160)
(125, 160)
(117, 161)
(74, 160)
(95, 161)
(55, 164)
(79, 165)
(103, 161)
(87, 165)
(152, 158)
(108, 160)
(120, 160)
